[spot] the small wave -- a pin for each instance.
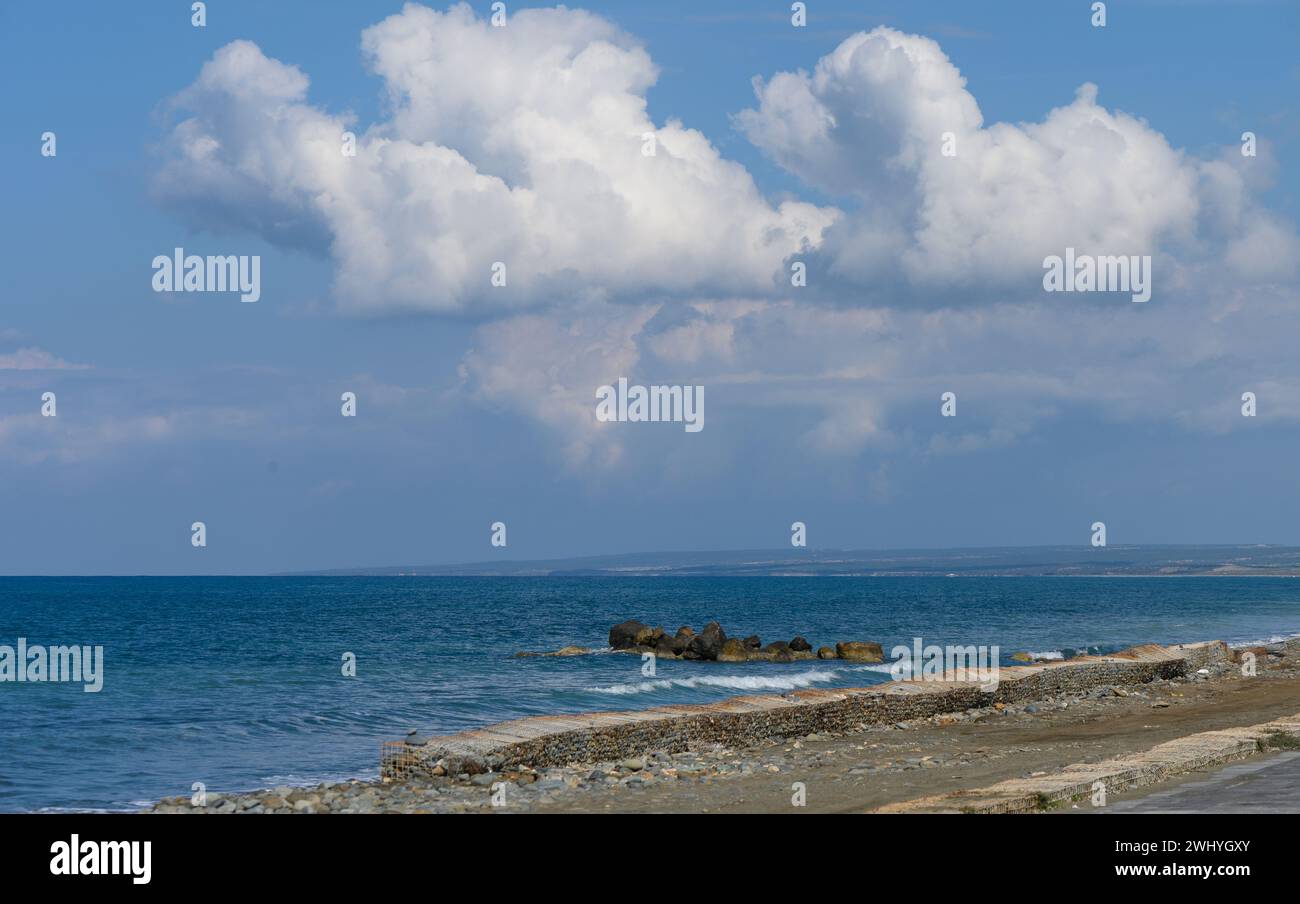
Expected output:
(312, 779)
(786, 682)
(1049, 656)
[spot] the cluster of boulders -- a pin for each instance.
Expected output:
(713, 645)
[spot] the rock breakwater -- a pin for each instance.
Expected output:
(713, 645)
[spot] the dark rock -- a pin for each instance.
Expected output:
(563, 651)
(752, 642)
(777, 651)
(859, 651)
(456, 765)
(630, 634)
(733, 650)
(667, 648)
(799, 645)
(708, 643)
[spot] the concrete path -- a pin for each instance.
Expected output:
(1269, 785)
(1077, 784)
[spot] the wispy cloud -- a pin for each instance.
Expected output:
(36, 359)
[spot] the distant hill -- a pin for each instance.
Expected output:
(1133, 561)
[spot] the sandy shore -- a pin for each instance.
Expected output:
(852, 771)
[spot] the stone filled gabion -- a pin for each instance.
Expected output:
(594, 737)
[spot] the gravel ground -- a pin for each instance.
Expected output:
(848, 772)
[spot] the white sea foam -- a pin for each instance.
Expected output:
(785, 682)
(1255, 642)
(308, 780)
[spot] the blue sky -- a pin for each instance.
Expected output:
(821, 407)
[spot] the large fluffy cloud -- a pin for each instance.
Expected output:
(536, 162)
(524, 145)
(520, 145)
(874, 119)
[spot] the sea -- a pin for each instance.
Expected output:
(236, 683)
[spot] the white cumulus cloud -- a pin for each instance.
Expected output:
(520, 145)
(872, 119)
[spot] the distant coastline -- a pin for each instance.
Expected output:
(1033, 561)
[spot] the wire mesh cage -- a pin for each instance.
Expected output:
(397, 760)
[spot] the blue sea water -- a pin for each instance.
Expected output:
(237, 682)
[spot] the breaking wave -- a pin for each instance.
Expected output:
(786, 682)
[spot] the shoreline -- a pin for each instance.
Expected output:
(758, 743)
(610, 735)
